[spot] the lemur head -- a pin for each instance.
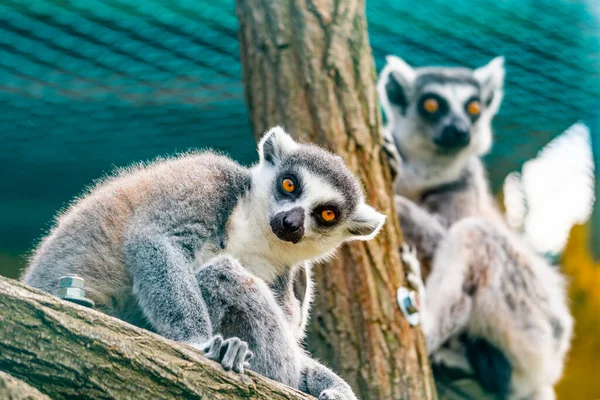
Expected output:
(311, 199)
(437, 111)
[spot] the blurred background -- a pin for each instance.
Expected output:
(89, 85)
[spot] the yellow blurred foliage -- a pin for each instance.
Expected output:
(581, 379)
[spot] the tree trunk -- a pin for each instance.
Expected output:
(68, 351)
(307, 66)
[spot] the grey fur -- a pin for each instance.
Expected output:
(247, 309)
(444, 76)
(264, 319)
(143, 241)
(484, 280)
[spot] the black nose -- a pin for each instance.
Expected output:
(293, 221)
(289, 225)
(453, 137)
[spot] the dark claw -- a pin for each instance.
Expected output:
(232, 353)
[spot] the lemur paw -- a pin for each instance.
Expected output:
(232, 353)
(334, 394)
(408, 255)
(393, 157)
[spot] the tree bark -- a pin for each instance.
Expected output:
(307, 65)
(14, 389)
(68, 351)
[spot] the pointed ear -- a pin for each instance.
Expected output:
(274, 145)
(395, 84)
(365, 223)
(491, 80)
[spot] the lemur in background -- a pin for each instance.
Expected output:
(197, 248)
(483, 281)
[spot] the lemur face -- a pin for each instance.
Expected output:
(311, 197)
(441, 111)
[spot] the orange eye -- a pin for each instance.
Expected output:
(288, 185)
(474, 107)
(328, 215)
(431, 105)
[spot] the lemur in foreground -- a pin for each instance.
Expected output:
(484, 281)
(188, 247)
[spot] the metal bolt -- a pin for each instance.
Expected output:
(71, 289)
(408, 300)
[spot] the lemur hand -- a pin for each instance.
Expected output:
(393, 156)
(413, 270)
(232, 353)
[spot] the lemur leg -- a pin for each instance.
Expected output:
(436, 330)
(469, 354)
(319, 381)
(420, 229)
(486, 283)
(243, 309)
(453, 353)
(165, 287)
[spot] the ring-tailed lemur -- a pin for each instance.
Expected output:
(139, 238)
(484, 281)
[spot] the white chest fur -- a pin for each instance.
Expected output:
(249, 241)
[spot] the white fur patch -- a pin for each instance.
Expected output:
(276, 141)
(405, 75)
(491, 79)
(369, 219)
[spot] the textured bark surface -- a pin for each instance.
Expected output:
(12, 388)
(68, 351)
(307, 66)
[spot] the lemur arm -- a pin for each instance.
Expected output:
(243, 309)
(319, 381)
(165, 286)
(420, 229)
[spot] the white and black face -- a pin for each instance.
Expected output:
(441, 111)
(312, 198)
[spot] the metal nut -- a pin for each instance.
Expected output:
(71, 289)
(71, 292)
(71, 281)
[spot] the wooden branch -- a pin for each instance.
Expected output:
(68, 351)
(12, 388)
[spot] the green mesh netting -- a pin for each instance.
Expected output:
(86, 85)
